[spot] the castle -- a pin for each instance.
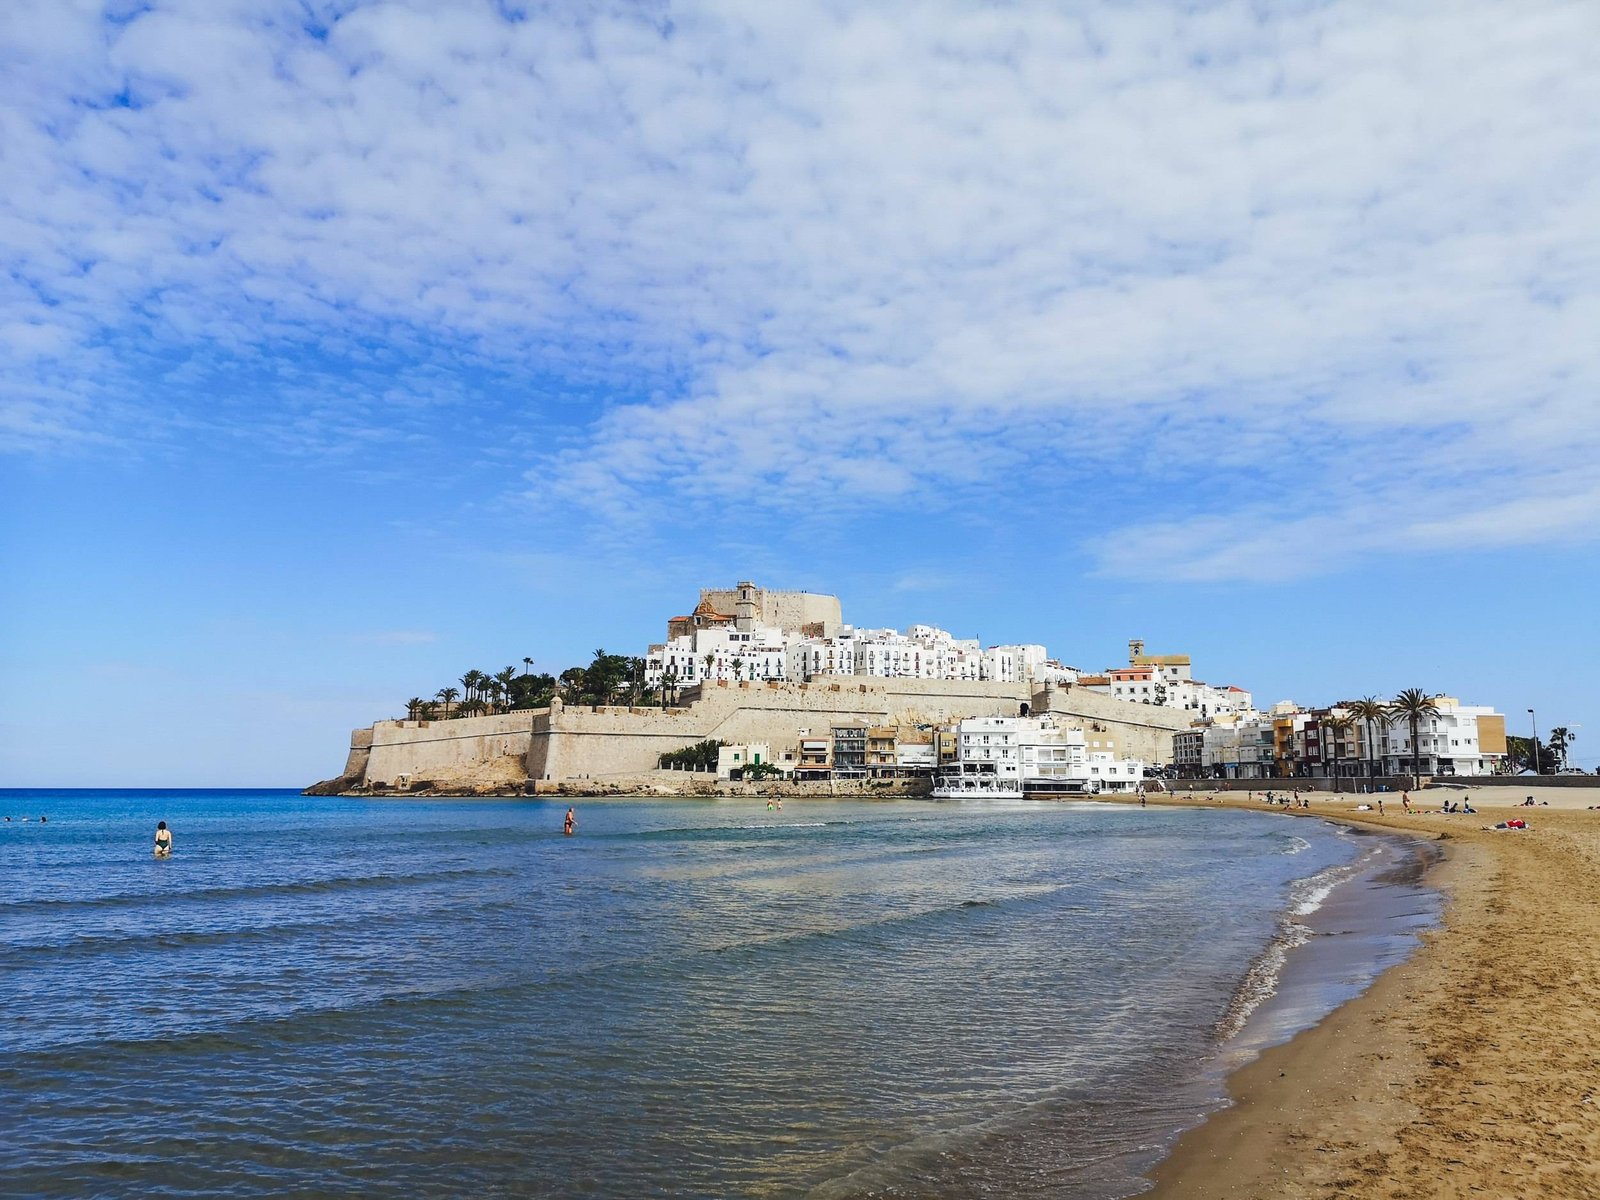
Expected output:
(796, 669)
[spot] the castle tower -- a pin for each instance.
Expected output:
(1135, 650)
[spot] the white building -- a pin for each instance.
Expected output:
(742, 756)
(1241, 749)
(922, 652)
(1462, 740)
(720, 652)
(1017, 756)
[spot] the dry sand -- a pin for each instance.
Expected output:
(1470, 1070)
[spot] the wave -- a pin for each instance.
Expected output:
(1260, 983)
(1306, 896)
(302, 1023)
(293, 887)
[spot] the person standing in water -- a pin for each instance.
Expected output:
(163, 840)
(570, 824)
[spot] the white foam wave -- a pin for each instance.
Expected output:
(1297, 845)
(1261, 981)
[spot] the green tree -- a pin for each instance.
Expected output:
(470, 682)
(447, 696)
(599, 682)
(1374, 716)
(1560, 738)
(505, 678)
(702, 756)
(413, 706)
(427, 710)
(1413, 706)
(1520, 750)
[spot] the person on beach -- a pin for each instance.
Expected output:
(1405, 801)
(780, 805)
(769, 805)
(570, 824)
(163, 840)
(1380, 806)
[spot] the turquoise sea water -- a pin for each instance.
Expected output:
(441, 998)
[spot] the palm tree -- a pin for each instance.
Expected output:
(738, 669)
(413, 705)
(527, 665)
(710, 660)
(1411, 706)
(470, 682)
(1372, 714)
(669, 686)
(1560, 738)
(505, 677)
(427, 710)
(447, 696)
(1336, 727)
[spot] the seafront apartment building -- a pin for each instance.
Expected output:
(1291, 742)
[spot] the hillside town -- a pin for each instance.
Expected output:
(755, 685)
(747, 634)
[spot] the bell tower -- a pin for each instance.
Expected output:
(744, 608)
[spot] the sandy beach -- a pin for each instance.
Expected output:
(1470, 1070)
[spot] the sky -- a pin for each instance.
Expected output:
(346, 347)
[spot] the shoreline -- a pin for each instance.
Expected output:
(1464, 1070)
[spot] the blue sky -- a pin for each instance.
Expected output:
(345, 347)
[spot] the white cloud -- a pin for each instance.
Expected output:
(1251, 267)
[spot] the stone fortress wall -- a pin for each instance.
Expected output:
(428, 749)
(565, 743)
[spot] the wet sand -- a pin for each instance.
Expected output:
(1470, 1070)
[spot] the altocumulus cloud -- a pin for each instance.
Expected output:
(1275, 271)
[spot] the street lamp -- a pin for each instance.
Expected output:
(1534, 721)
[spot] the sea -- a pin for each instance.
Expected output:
(697, 998)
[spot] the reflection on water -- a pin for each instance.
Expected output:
(688, 998)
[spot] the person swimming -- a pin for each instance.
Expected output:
(163, 840)
(570, 824)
